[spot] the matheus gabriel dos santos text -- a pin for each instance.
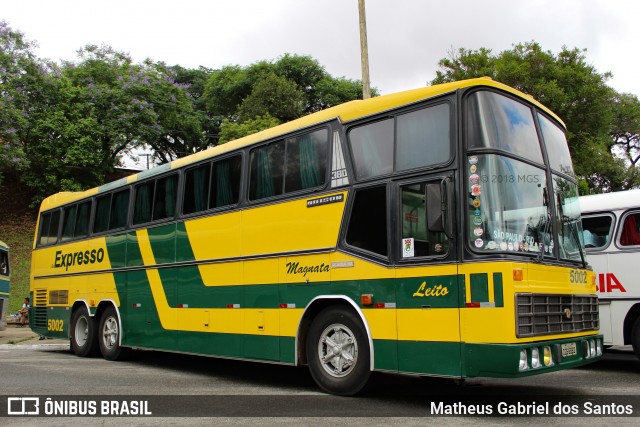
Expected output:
(533, 408)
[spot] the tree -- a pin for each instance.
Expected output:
(233, 130)
(21, 74)
(286, 89)
(625, 129)
(275, 96)
(570, 87)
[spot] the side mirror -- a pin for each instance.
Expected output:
(440, 207)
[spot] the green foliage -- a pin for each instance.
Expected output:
(570, 87)
(275, 96)
(233, 130)
(286, 89)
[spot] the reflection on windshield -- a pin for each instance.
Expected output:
(557, 148)
(496, 121)
(508, 206)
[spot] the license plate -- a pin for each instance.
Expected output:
(569, 349)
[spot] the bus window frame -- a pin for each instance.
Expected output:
(620, 227)
(450, 253)
(610, 235)
(449, 99)
(40, 224)
(134, 192)
(386, 260)
(283, 139)
(210, 161)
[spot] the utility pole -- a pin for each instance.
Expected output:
(147, 156)
(364, 52)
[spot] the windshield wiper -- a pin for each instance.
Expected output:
(540, 255)
(571, 222)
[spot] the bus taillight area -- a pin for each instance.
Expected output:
(520, 360)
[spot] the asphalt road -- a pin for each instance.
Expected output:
(177, 387)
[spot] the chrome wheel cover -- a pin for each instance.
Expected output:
(338, 350)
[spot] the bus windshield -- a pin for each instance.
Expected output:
(508, 206)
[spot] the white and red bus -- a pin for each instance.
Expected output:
(611, 230)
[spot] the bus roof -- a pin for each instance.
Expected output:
(3, 245)
(347, 112)
(610, 201)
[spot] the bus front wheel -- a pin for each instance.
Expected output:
(83, 333)
(338, 351)
(109, 336)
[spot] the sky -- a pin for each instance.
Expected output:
(406, 38)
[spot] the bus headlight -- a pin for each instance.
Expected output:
(535, 358)
(598, 347)
(547, 356)
(523, 365)
(592, 348)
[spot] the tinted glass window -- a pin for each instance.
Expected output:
(49, 223)
(556, 144)
(417, 240)
(372, 148)
(368, 222)
(196, 189)
(69, 222)
(82, 220)
(165, 197)
(144, 202)
(103, 206)
(496, 121)
(225, 182)
(267, 171)
(119, 210)
(423, 138)
(306, 161)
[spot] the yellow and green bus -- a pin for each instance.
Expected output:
(429, 232)
(5, 278)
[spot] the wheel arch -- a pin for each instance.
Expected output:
(76, 304)
(629, 321)
(312, 309)
(97, 312)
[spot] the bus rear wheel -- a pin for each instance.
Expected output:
(83, 333)
(109, 336)
(338, 351)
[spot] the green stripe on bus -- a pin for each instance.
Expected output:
(479, 287)
(498, 290)
(434, 358)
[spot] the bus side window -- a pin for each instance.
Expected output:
(414, 225)
(630, 234)
(596, 231)
(368, 222)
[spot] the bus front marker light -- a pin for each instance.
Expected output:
(535, 358)
(547, 356)
(518, 275)
(523, 366)
(366, 299)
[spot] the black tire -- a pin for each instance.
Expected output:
(109, 336)
(82, 336)
(338, 351)
(635, 337)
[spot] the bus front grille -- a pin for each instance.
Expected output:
(546, 314)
